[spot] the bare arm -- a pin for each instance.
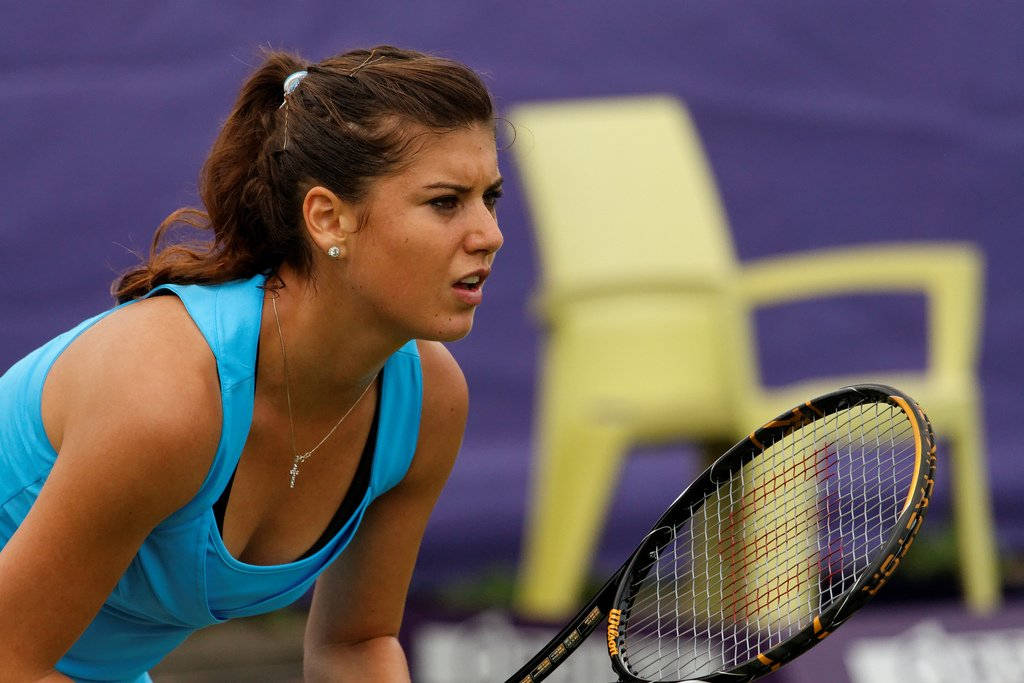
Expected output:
(135, 431)
(358, 602)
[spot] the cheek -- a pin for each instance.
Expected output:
(402, 267)
(410, 267)
(400, 278)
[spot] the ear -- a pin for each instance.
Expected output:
(329, 219)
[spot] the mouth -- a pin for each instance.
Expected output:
(472, 282)
(468, 288)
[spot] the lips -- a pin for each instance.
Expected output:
(468, 287)
(472, 281)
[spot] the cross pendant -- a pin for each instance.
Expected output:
(292, 473)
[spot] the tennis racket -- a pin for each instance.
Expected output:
(771, 548)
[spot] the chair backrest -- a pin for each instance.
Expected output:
(620, 192)
(635, 249)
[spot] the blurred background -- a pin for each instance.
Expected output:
(824, 125)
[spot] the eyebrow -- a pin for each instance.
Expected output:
(462, 189)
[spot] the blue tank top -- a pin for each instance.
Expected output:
(183, 578)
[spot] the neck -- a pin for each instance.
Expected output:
(332, 353)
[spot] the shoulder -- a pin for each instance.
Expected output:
(148, 349)
(140, 389)
(443, 414)
(444, 385)
(159, 329)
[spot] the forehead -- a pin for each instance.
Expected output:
(467, 155)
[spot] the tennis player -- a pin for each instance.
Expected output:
(270, 409)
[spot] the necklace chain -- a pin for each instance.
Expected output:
(299, 458)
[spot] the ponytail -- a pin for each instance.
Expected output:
(240, 212)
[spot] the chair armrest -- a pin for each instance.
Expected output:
(948, 273)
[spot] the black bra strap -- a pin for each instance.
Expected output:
(353, 497)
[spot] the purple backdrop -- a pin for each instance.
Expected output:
(826, 124)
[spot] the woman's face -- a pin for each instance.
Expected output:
(430, 236)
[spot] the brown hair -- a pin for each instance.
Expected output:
(346, 123)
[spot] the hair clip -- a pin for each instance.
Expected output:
(293, 80)
(291, 83)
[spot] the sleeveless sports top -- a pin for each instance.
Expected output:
(183, 578)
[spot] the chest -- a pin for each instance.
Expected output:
(267, 520)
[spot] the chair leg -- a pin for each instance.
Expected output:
(577, 468)
(973, 520)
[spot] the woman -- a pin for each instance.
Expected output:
(207, 449)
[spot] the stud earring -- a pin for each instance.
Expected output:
(334, 252)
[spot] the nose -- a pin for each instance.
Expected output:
(486, 236)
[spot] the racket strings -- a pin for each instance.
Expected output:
(789, 534)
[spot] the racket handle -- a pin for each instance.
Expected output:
(560, 647)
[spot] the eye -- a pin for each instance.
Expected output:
(445, 203)
(491, 198)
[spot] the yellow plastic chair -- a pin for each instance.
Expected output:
(648, 334)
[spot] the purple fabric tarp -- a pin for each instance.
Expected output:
(826, 124)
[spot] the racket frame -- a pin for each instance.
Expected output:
(613, 593)
(873, 577)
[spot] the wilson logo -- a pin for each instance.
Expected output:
(613, 631)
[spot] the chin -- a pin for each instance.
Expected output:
(454, 330)
(451, 335)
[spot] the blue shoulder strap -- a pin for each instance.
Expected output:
(228, 315)
(399, 421)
